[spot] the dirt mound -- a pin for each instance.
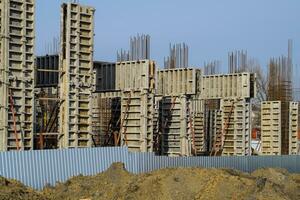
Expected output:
(180, 183)
(14, 190)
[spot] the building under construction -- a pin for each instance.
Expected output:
(69, 100)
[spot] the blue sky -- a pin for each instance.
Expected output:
(211, 28)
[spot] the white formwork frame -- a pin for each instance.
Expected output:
(236, 127)
(76, 82)
(293, 128)
(17, 74)
(271, 128)
(137, 118)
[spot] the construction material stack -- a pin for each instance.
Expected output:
(17, 74)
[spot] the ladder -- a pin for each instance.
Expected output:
(220, 136)
(12, 109)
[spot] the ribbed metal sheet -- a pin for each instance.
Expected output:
(38, 168)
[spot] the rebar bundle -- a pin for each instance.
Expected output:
(212, 67)
(139, 49)
(280, 89)
(237, 61)
(179, 56)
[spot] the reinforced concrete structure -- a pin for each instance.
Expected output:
(17, 74)
(76, 80)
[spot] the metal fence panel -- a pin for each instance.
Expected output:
(38, 168)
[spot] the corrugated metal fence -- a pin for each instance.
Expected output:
(38, 168)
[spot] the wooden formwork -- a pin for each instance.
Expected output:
(135, 75)
(236, 125)
(293, 128)
(237, 85)
(137, 113)
(76, 82)
(179, 81)
(17, 74)
(271, 127)
(174, 123)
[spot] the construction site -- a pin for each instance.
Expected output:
(69, 100)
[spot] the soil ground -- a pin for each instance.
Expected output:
(180, 183)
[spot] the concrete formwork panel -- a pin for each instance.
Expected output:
(271, 127)
(237, 85)
(76, 82)
(174, 122)
(137, 113)
(180, 81)
(135, 75)
(106, 114)
(46, 74)
(105, 76)
(293, 128)
(199, 140)
(17, 74)
(236, 127)
(213, 125)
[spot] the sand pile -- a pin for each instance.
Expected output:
(180, 183)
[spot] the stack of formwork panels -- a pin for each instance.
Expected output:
(271, 128)
(236, 127)
(17, 74)
(293, 128)
(76, 82)
(237, 85)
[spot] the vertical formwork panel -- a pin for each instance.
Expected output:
(106, 115)
(236, 126)
(17, 74)
(173, 116)
(137, 112)
(213, 125)
(293, 128)
(76, 82)
(271, 127)
(199, 139)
